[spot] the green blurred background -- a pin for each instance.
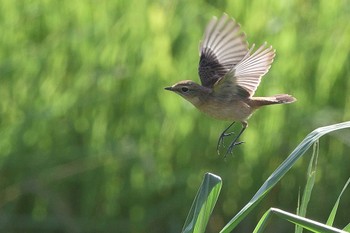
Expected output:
(90, 141)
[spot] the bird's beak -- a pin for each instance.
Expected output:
(168, 88)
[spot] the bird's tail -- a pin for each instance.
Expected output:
(276, 99)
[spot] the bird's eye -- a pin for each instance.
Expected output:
(184, 89)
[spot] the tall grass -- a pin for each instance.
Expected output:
(209, 191)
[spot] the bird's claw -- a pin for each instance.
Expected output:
(233, 143)
(230, 148)
(221, 141)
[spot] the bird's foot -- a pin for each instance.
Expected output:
(221, 140)
(222, 136)
(232, 145)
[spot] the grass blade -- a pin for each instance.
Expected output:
(281, 171)
(306, 223)
(262, 223)
(347, 228)
(203, 204)
(310, 181)
(331, 217)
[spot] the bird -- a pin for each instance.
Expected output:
(230, 72)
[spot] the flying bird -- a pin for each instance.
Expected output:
(230, 73)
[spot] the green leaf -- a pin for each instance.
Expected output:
(281, 171)
(347, 228)
(203, 204)
(262, 223)
(331, 217)
(310, 181)
(306, 223)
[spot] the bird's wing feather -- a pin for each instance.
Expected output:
(222, 47)
(245, 77)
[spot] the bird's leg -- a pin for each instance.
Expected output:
(222, 136)
(234, 142)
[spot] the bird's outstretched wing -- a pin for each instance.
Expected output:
(222, 47)
(245, 77)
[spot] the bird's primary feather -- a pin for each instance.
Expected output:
(222, 47)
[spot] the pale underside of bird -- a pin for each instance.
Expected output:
(230, 73)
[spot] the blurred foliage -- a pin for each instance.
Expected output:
(90, 141)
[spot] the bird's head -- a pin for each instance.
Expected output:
(190, 90)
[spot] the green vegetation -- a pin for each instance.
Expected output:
(209, 190)
(90, 141)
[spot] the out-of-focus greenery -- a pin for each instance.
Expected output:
(90, 141)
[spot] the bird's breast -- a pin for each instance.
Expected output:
(232, 110)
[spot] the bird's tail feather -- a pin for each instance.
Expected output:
(276, 99)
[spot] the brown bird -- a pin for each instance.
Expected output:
(230, 74)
